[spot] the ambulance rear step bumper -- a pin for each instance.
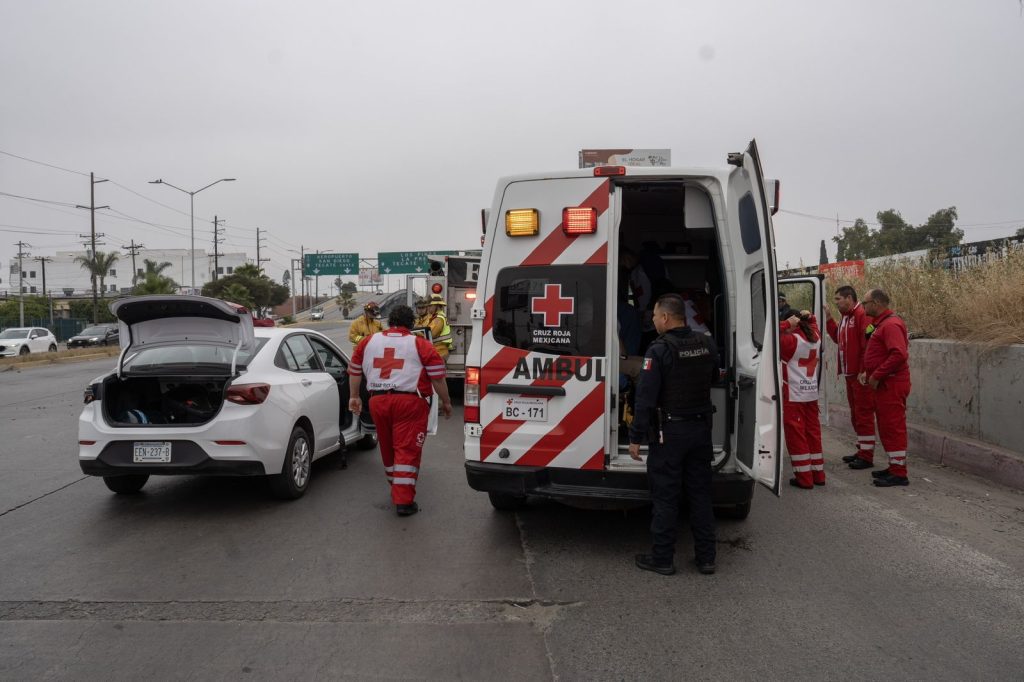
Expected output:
(728, 489)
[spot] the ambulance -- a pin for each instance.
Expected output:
(544, 384)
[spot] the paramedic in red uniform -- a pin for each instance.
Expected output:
(849, 336)
(800, 348)
(886, 371)
(401, 368)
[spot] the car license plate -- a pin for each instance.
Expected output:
(526, 409)
(152, 451)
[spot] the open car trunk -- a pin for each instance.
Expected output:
(163, 401)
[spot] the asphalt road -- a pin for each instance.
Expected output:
(211, 578)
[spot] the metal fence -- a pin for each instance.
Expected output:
(62, 328)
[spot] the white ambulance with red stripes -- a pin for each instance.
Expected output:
(543, 387)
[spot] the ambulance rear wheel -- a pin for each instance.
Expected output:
(506, 501)
(738, 512)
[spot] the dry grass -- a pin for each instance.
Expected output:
(983, 304)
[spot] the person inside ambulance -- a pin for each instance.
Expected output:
(437, 320)
(800, 350)
(366, 324)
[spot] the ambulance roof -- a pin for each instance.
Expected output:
(661, 172)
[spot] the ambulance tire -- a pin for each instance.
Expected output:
(738, 512)
(506, 501)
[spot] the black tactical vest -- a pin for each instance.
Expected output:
(686, 385)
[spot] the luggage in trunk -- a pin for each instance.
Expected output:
(174, 401)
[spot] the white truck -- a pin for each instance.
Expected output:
(542, 387)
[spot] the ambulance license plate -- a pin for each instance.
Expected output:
(151, 451)
(526, 409)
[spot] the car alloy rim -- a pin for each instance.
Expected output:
(300, 462)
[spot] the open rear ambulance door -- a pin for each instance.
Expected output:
(758, 382)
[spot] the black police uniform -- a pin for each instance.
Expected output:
(673, 406)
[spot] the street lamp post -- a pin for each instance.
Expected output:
(192, 214)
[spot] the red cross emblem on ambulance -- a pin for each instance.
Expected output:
(552, 305)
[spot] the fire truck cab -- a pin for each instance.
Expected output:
(547, 369)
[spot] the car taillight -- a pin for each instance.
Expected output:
(471, 396)
(248, 394)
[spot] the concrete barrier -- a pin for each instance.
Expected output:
(965, 410)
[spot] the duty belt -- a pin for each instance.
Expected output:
(697, 417)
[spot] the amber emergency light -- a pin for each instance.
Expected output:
(522, 222)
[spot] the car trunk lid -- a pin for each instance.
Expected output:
(162, 321)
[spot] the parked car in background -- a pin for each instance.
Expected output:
(199, 391)
(25, 340)
(99, 335)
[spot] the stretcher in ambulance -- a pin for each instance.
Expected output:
(571, 264)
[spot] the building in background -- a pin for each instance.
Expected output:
(66, 277)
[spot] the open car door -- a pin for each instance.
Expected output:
(759, 450)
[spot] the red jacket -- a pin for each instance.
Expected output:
(851, 340)
(887, 353)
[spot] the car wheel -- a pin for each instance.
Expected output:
(293, 480)
(738, 512)
(367, 442)
(53, 348)
(24, 350)
(126, 485)
(506, 501)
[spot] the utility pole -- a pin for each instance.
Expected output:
(317, 278)
(302, 270)
(43, 260)
(133, 249)
(90, 244)
(259, 243)
(216, 246)
(21, 283)
(293, 287)
(92, 239)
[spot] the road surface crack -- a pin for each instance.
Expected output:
(36, 499)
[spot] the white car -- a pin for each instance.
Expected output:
(316, 314)
(198, 390)
(25, 340)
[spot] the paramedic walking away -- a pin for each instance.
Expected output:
(366, 324)
(402, 371)
(849, 336)
(437, 320)
(673, 415)
(886, 371)
(800, 348)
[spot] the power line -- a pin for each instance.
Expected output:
(41, 201)
(48, 165)
(1018, 221)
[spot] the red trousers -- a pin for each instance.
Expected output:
(401, 421)
(803, 441)
(862, 415)
(891, 413)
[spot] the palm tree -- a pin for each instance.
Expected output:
(346, 301)
(98, 266)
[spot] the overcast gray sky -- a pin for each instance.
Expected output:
(383, 126)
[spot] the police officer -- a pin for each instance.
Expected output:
(673, 414)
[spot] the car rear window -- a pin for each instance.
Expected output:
(180, 357)
(557, 309)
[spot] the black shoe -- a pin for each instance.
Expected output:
(407, 509)
(891, 481)
(647, 563)
(706, 567)
(849, 458)
(861, 464)
(880, 473)
(796, 484)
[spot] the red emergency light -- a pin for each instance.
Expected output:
(436, 288)
(579, 220)
(471, 396)
(605, 171)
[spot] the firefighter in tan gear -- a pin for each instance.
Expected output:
(366, 324)
(440, 332)
(422, 316)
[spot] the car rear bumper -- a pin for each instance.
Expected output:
(187, 457)
(729, 489)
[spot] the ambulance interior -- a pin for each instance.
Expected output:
(670, 229)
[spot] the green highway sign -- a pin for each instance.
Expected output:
(316, 264)
(406, 262)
